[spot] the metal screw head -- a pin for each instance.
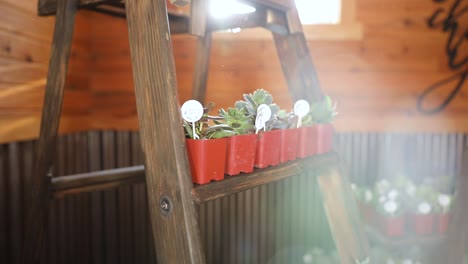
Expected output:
(165, 205)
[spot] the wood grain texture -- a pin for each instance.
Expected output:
(34, 235)
(232, 185)
(202, 67)
(167, 173)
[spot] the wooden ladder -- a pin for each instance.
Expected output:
(173, 199)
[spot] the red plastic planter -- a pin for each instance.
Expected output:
(240, 154)
(289, 141)
(306, 144)
(392, 226)
(268, 149)
(324, 136)
(423, 224)
(443, 221)
(207, 159)
(367, 213)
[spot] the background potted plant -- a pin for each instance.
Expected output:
(241, 147)
(422, 214)
(444, 204)
(268, 143)
(390, 210)
(206, 148)
(322, 114)
(365, 201)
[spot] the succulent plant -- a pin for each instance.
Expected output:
(283, 120)
(323, 111)
(238, 119)
(253, 100)
(204, 130)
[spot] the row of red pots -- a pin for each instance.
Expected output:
(211, 159)
(405, 224)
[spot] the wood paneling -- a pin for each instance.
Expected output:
(25, 45)
(375, 78)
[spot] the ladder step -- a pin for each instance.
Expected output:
(96, 181)
(243, 182)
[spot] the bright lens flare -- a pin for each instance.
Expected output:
(225, 8)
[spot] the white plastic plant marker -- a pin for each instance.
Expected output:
(444, 200)
(263, 115)
(390, 207)
(192, 111)
(424, 208)
(301, 109)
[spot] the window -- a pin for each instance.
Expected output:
(310, 11)
(322, 19)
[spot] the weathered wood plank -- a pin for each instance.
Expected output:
(168, 178)
(202, 67)
(38, 202)
(216, 190)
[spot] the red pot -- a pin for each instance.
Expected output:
(268, 149)
(240, 155)
(289, 141)
(306, 144)
(367, 213)
(422, 224)
(443, 221)
(324, 136)
(392, 226)
(207, 159)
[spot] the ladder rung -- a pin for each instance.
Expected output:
(235, 184)
(96, 181)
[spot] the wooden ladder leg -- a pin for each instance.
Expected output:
(345, 225)
(202, 65)
(297, 65)
(34, 235)
(168, 180)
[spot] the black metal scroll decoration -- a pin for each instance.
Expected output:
(448, 21)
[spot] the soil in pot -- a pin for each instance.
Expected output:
(289, 144)
(240, 155)
(268, 149)
(207, 159)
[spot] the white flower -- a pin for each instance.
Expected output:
(424, 208)
(353, 186)
(307, 258)
(368, 196)
(393, 194)
(390, 261)
(390, 207)
(444, 200)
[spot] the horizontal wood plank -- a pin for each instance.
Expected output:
(234, 184)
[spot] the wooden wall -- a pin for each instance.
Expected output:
(25, 44)
(375, 75)
(375, 79)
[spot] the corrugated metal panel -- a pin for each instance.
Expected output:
(276, 223)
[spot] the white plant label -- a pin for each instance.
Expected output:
(301, 109)
(263, 115)
(390, 207)
(444, 200)
(424, 208)
(192, 111)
